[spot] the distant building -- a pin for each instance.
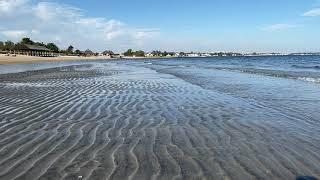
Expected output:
(193, 55)
(205, 55)
(149, 55)
(115, 55)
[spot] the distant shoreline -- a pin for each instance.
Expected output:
(22, 59)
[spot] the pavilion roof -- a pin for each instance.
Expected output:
(32, 47)
(108, 52)
(88, 51)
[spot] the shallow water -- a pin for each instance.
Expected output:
(182, 119)
(305, 68)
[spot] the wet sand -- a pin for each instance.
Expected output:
(117, 121)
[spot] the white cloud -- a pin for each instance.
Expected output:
(312, 13)
(8, 6)
(279, 27)
(145, 33)
(48, 11)
(64, 25)
(14, 34)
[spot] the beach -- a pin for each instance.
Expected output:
(22, 59)
(150, 119)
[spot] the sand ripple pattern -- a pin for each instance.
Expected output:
(119, 122)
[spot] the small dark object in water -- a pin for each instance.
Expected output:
(306, 178)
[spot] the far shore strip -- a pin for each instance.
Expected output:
(21, 59)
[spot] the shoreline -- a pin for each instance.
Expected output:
(22, 59)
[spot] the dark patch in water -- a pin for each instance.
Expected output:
(306, 67)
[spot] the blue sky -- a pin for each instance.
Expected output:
(172, 25)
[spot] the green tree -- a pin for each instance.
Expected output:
(70, 49)
(172, 53)
(1, 46)
(78, 52)
(53, 47)
(27, 41)
(128, 52)
(139, 53)
(9, 46)
(156, 53)
(39, 44)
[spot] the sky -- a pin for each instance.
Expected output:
(171, 25)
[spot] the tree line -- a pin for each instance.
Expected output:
(163, 54)
(132, 53)
(11, 46)
(141, 53)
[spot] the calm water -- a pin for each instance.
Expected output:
(305, 68)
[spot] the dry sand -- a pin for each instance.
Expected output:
(119, 122)
(21, 59)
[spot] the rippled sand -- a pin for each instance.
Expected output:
(107, 121)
